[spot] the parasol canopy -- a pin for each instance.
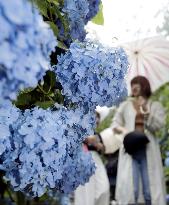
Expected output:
(148, 57)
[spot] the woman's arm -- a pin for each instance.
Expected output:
(156, 118)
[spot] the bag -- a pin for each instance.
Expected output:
(135, 141)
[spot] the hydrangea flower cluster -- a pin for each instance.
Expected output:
(42, 150)
(77, 11)
(92, 75)
(78, 169)
(93, 9)
(25, 45)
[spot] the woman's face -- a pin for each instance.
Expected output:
(136, 90)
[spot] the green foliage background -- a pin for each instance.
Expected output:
(162, 94)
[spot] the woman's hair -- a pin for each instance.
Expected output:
(144, 83)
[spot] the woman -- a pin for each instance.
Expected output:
(141, 114)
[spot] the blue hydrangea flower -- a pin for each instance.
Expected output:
(92, 74)
(76, 11)
(93, 9)
(81, 168)
(42, 149)
(25, 45)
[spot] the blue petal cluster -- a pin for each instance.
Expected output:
(76, 11)
(92, 74)
(25, 45)
(81, 167)
(93, 9)
(8, 116)
(42, 149)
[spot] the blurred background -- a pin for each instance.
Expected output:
(126, 21)
(142, 28)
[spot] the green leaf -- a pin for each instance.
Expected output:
(62, 45)
(42, 6)
(53, 27)
(56, 2)
(52, 78)
(26, 90)
(23, 99)
(45, 104)
(99, 18)
(49, 82)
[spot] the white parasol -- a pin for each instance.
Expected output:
(150, 58)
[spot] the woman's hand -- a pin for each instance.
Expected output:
(92, 139)
(142, 103)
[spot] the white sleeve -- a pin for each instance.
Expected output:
(156, 117)
(118, 119)
(111, 141)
